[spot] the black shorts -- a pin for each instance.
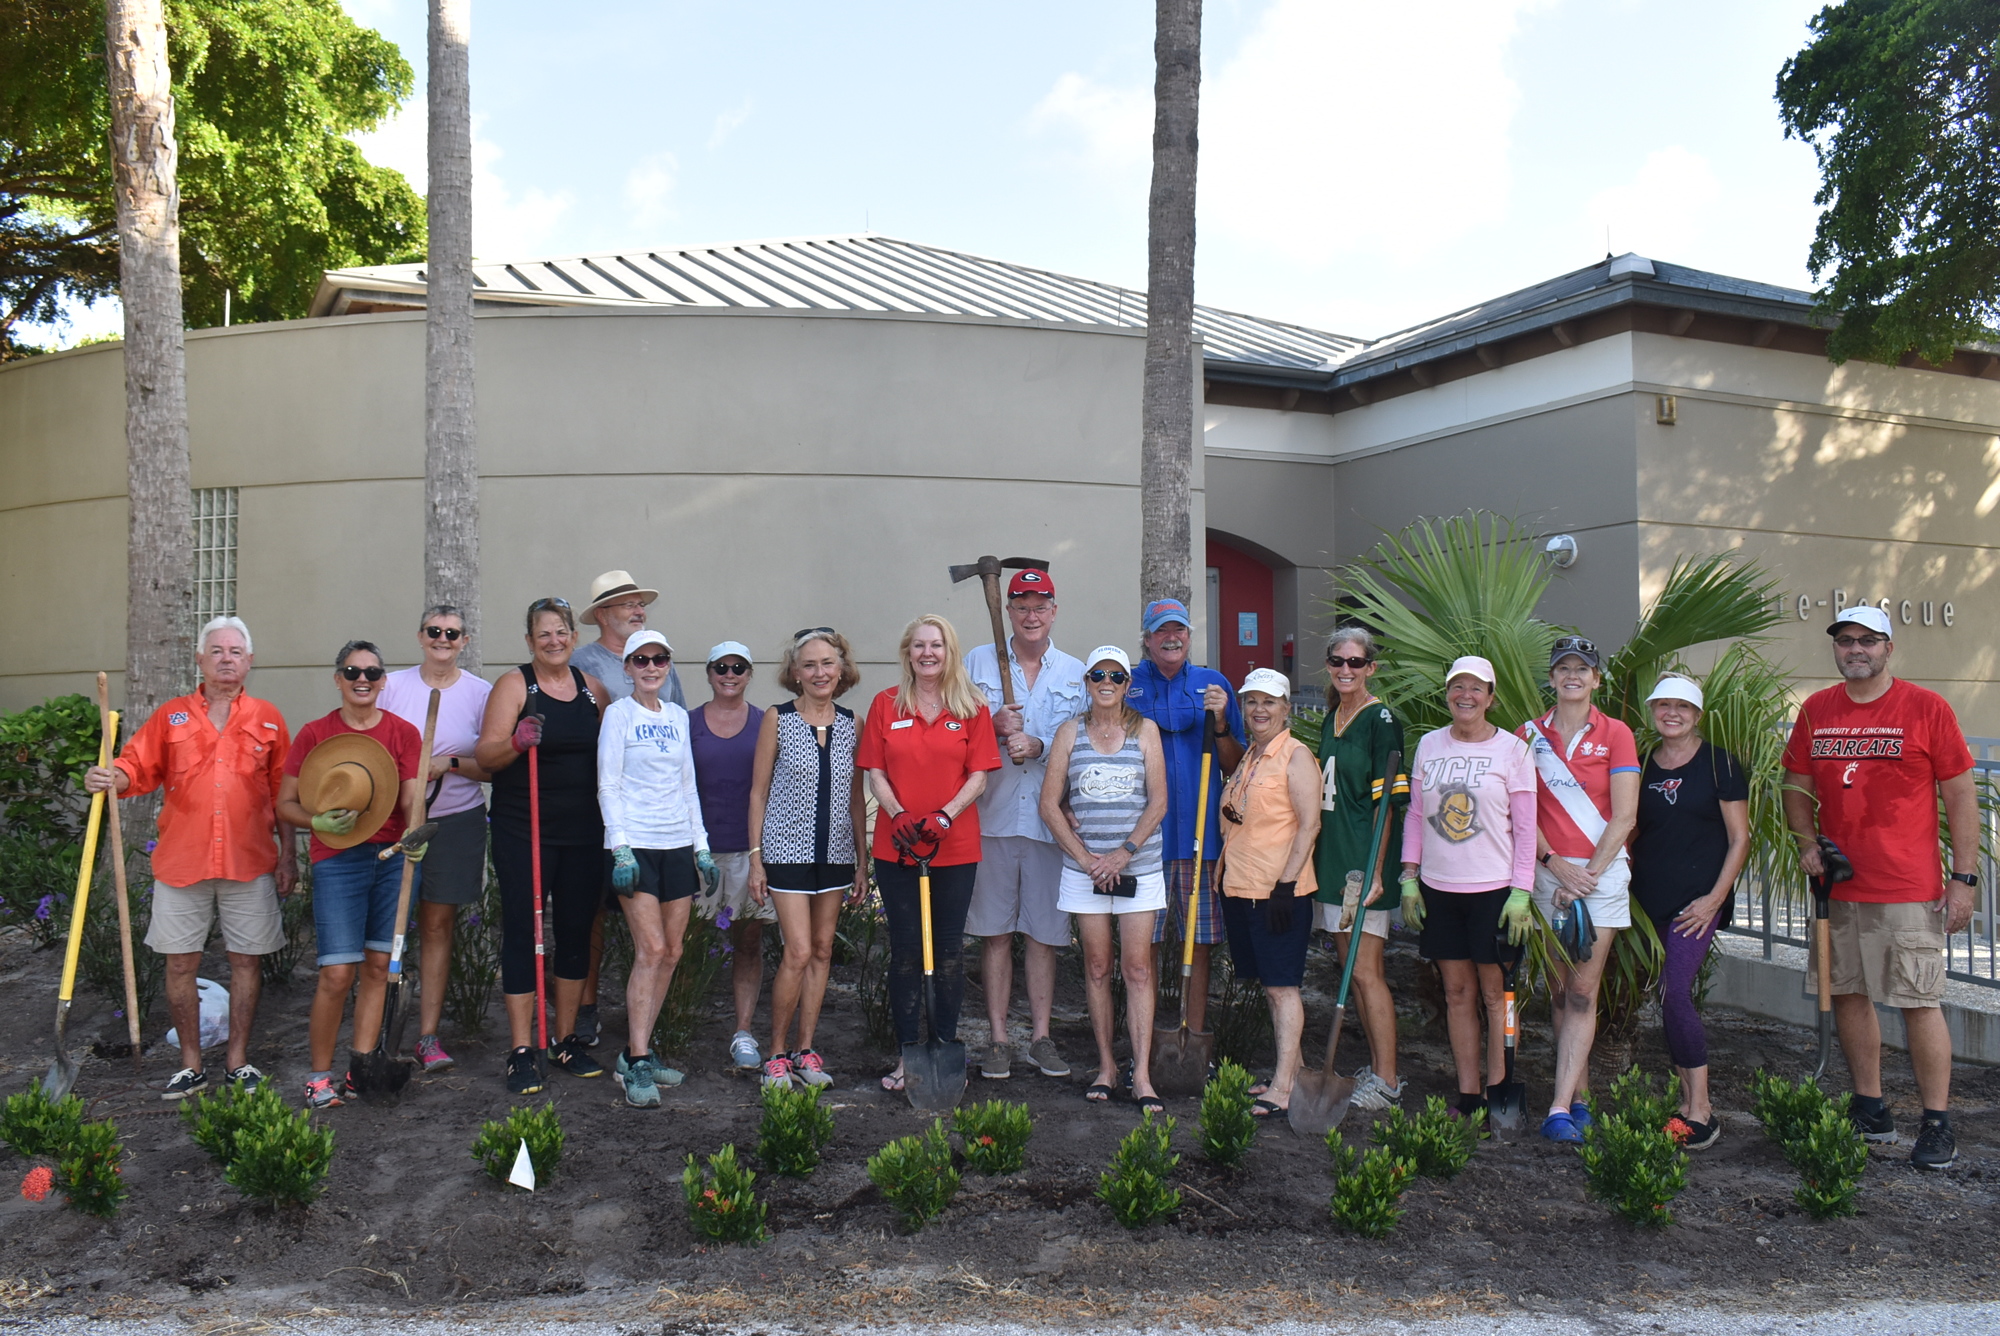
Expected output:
(1463, 925)
(664, 874)
(1276, 960)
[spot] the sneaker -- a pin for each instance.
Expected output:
(431, 1057)
(664, 1075)
(246, 1077)
(809, 1067)
(586, 1032)
(1049, 1062)
(1372, 1092)
(1691, 1135)
(523, 1076)
(635, 1077)
(1877, 1127)
(1561, 1127)
(571, 1057)
(187, 1081)
(1936, 1147)
(778, 1071)
(1579, 1113)
(321, 1094)
(744, 1053)
(996, 1062)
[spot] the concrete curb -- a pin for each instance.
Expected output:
(1776, 989)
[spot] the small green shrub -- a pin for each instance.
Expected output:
(722, 1204)
(1134, 1185)
(996, 1135)
(499, 1142)
(1633, 1098)
(1635, 1167)
(916, 1175)
(1228, 1129)
(88, 1169)
(1787, 1111)
(1368, 1190)
(279, 1156)
(1830, 1158)
(215, 1120)
(795, 1126)
(33, 1124)
(1435, 1144)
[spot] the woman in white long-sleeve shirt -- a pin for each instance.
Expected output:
(659, 848)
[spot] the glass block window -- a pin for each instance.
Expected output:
(214, 553)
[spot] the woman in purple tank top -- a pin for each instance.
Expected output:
(723, 734)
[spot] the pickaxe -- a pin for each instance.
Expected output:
(988, 570)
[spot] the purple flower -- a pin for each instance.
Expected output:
(119, 1014)
(152, 845)
(45, 908)
(722, 919)
(472, 920)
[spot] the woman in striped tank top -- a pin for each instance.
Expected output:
(1108, 769)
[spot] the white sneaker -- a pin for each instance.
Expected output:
(1372, 1092)
(743, 1051)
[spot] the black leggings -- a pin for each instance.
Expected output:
(572, 889)
(951, 896)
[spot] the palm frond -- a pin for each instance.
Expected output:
(1704, 599)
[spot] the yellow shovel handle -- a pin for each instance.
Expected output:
(76, 916)
(1194, 889)
(924, 907)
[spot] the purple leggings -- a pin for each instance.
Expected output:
(1687, 1042)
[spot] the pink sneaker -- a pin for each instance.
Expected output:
(431, 1057)
(808, 1067)
(778, 1070)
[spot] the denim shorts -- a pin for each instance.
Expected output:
(354, 903)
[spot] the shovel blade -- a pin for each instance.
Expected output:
(377, 1073)
(61, 1076)
(1179, 1062)
(1507, 1106)
(1319, 1101)
(934, 1075)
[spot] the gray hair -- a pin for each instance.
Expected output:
(215, 624)
(1353, 635)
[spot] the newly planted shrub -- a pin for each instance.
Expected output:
(1633, 1098)
(722, 1203)
(1830, 1158)
(88, 1169)
(1368, 1190)
(1228, 1129)
(1635, 1167)
(499, 1142)
(1134, 1186)
(278, 1156)
(916, 1175)
(996, 1135)
(33, 1124)
(214, 1120)
(795, 1126)
(1787, 1111)
(1434, 1143)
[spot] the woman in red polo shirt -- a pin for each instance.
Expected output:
(926, 747)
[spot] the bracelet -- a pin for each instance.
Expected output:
(756, 848)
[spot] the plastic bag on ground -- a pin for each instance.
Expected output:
(214, 1015)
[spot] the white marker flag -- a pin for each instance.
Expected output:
(523, 1174)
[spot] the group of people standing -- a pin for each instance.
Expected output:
(1033, 792)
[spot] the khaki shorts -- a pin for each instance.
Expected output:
(182, 916)
(1374, 923)
(1891, 954)
(1016, 890)
(732, 890)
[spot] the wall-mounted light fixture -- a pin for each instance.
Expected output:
(1561, 551)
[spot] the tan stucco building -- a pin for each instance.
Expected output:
(781, 434)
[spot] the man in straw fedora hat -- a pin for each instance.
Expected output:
(618, 606)
(353, 777)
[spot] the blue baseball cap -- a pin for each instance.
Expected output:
(1162, 611)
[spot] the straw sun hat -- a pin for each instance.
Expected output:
(352, 771)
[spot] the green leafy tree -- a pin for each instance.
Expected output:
(272, 190)
(1900, 100)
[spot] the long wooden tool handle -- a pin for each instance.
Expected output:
(110, 720)
(991, 583)
(1822, 949)
(67, 989)
(418, 814)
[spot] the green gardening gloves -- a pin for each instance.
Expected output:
(335, 821)
(624, 868)
(1517, 917)
(704, 866)
(1413, 905)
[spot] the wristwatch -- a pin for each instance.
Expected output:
(1544, 858)
(1969, 878)
(454, 763)
(1131, 848)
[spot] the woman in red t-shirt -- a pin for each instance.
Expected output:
(926, 748)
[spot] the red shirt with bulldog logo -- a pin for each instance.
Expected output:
(927, 762)
(1875, 768)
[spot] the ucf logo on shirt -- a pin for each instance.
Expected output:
(1457, 815)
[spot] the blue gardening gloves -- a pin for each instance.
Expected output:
(1413, 905)
(624, 868)
(704, 864)
(335, 821)
(1517, 917)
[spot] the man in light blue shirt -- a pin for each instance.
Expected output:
(1020, 865)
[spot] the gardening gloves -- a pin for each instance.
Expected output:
(934, 827)
(1413, 905)
(335, 821)
(1517, 917)
(624, 868)
(1278, 909)
(704, 866)
(527, 733)
(906, 830)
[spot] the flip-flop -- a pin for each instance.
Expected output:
(1264, 1108)
(1152, 1104)
(1259, 1087)
(1098, 1094)
(892, 1082)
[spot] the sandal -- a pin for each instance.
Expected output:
(893, 1081)
(1264, 1108)
(1260, 1086)
(1098, 1094)
(1152, 1104)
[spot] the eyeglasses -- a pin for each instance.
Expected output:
(1574, 645)
(627, 603)
(1111, 675)
(1865, 642)
(355, 674)
(542, 604)
(809, 632)
(451, 633)
(650, 660)
(736, 669)
(1336, 661)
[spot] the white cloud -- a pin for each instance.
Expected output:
(1114, 125)
(399, 144)
(1662, 211)
(729, 122)
(649, 189)
(505, 224)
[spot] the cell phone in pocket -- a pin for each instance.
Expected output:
(1127, 888)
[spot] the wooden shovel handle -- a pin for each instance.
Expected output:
(109, 718)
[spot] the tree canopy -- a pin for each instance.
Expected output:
(1900, 101)
(272, 190)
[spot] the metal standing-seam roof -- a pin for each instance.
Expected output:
(859, 272)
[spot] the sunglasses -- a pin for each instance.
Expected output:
(1335, 661)
(1573, 645)
(650, 660)
(355, 674)
(729, 669)
(1865, 642)
(451, 633)
(1111, 675)
(809, 632)
(541, 603)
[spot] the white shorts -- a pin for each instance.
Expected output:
(732, 890)
(1610, 905)
(1015, 890)
(1374, 923)
(1079, 895)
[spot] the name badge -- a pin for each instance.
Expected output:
(901, 723)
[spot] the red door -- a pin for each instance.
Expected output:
(1245, 601)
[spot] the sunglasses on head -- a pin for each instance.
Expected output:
(1573, 645)
(809, 632)
(736, 669)
(443, 632)
(650, 660)
(543, 603)
(1113, 675)
(355, 673)
(1335, 661)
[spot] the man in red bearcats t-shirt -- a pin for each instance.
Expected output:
(1865, 764)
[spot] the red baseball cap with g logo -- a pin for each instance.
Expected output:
(1031, 582)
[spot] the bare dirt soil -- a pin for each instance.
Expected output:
(410, 1224)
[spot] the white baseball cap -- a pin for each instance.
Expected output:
(1269, 681)
(1865, 615)
(729, 647)
(645, 638)
(1473, 664)
(1110, 652)
(1675, 687)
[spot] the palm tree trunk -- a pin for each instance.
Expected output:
(451, 448)
(159, 607)
(1166, 465)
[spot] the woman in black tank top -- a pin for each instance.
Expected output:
(551, 706)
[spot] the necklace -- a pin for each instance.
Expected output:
(1340, 724)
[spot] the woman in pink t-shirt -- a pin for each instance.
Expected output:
(1468, 859)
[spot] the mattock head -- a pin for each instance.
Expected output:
(991, 567)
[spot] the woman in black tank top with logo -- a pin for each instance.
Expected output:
(551, 706)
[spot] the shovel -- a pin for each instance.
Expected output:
(1321, 1099)
(62, 1068)
(934, 1072)
(1180, 1058)
(1838, 869)
(377, 1072)
(117, 838)
(1507, 1103)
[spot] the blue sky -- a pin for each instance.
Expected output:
(1364, 166)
